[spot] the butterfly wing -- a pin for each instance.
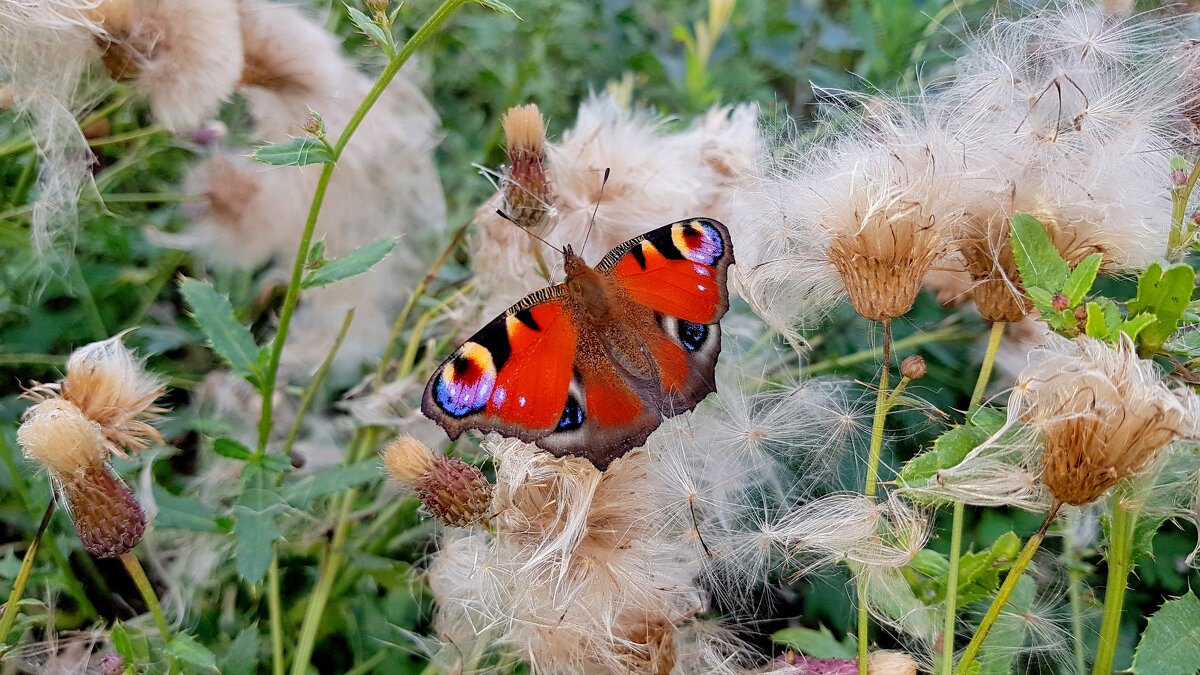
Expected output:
(679, 271)
(512, 376)
(672, 283)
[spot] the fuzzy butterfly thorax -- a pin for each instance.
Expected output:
(590, 367)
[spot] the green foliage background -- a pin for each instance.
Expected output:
(774, 52)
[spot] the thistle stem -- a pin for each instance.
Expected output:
(944, 334)
(956, 527)
(1075, 581)
(134, 567)
(431, 25)
(275, 609)
(1120, 562)
(18, 589)
(881, 408)
(311, 391)
(1006, 589)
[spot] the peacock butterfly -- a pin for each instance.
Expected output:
(590, 367)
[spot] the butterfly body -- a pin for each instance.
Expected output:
(591, 366)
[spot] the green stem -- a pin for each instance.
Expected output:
(311, 391)
(147, 591)
(10, 608)
(956, 532)
(1006, 589)
(1075, 581)
(127, 136)
(1120, 562)
(956, 527)
(945, 334)
(398, 325)
(1181, 196)
(881, 400)
(881, 408)
(275, 609)
(150, 198)
(91, 311)
(394, 64)
(985, 370)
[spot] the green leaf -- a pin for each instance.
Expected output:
(1171, 643)
(121, 642)
(302, 493)
(293, 152)
(185, 648)
(242, 656)
(372, 30)
(1037, 259)
(256, 531)
(1164, 294)
(1135, 324)
(1004, 641)
(182, 513)
(354, 263)
(1186, 343)
(1103, 319)
(497, 6)
(227, 447)
(820, 643)
(229, 339)
(1082, 278)
(1042, 298)
(948, 450)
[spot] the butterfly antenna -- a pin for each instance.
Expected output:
(594, 212)
(509, 219)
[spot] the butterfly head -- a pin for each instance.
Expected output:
(573, 265)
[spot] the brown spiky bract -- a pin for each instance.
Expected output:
(882, 266)
(1103, 414)
(57, 435)
(525, 185)
(107, 518)
(456, 493)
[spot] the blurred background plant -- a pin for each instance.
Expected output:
(261, 561)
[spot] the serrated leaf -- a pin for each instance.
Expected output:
(819, 643)
(354, 263)
(948, 450)
(1037, 258)
(242, 656)
(1164, 294)
(1063, 321)
(1134, 325)
(256, 530)
(497, 6)
(1082, 278)
(293, 152)
(182, 513)
(1004, 641)
(930, 563)
(187, 649)
(1171, 643)
(227, 447)
(1103, 319)
(229, 339)
(1043, 299)
(372, 30)
(302, 493)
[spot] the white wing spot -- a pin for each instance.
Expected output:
(521, 401)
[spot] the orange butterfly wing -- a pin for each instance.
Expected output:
(541, 374)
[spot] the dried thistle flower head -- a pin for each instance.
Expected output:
(57, 435)
(185, 56)
(1103, 414)
(526, 188)
(455, 492)
(109, 385)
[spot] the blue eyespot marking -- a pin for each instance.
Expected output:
(465, 383)
(572, 416)
(692, 335)
(698, 242)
